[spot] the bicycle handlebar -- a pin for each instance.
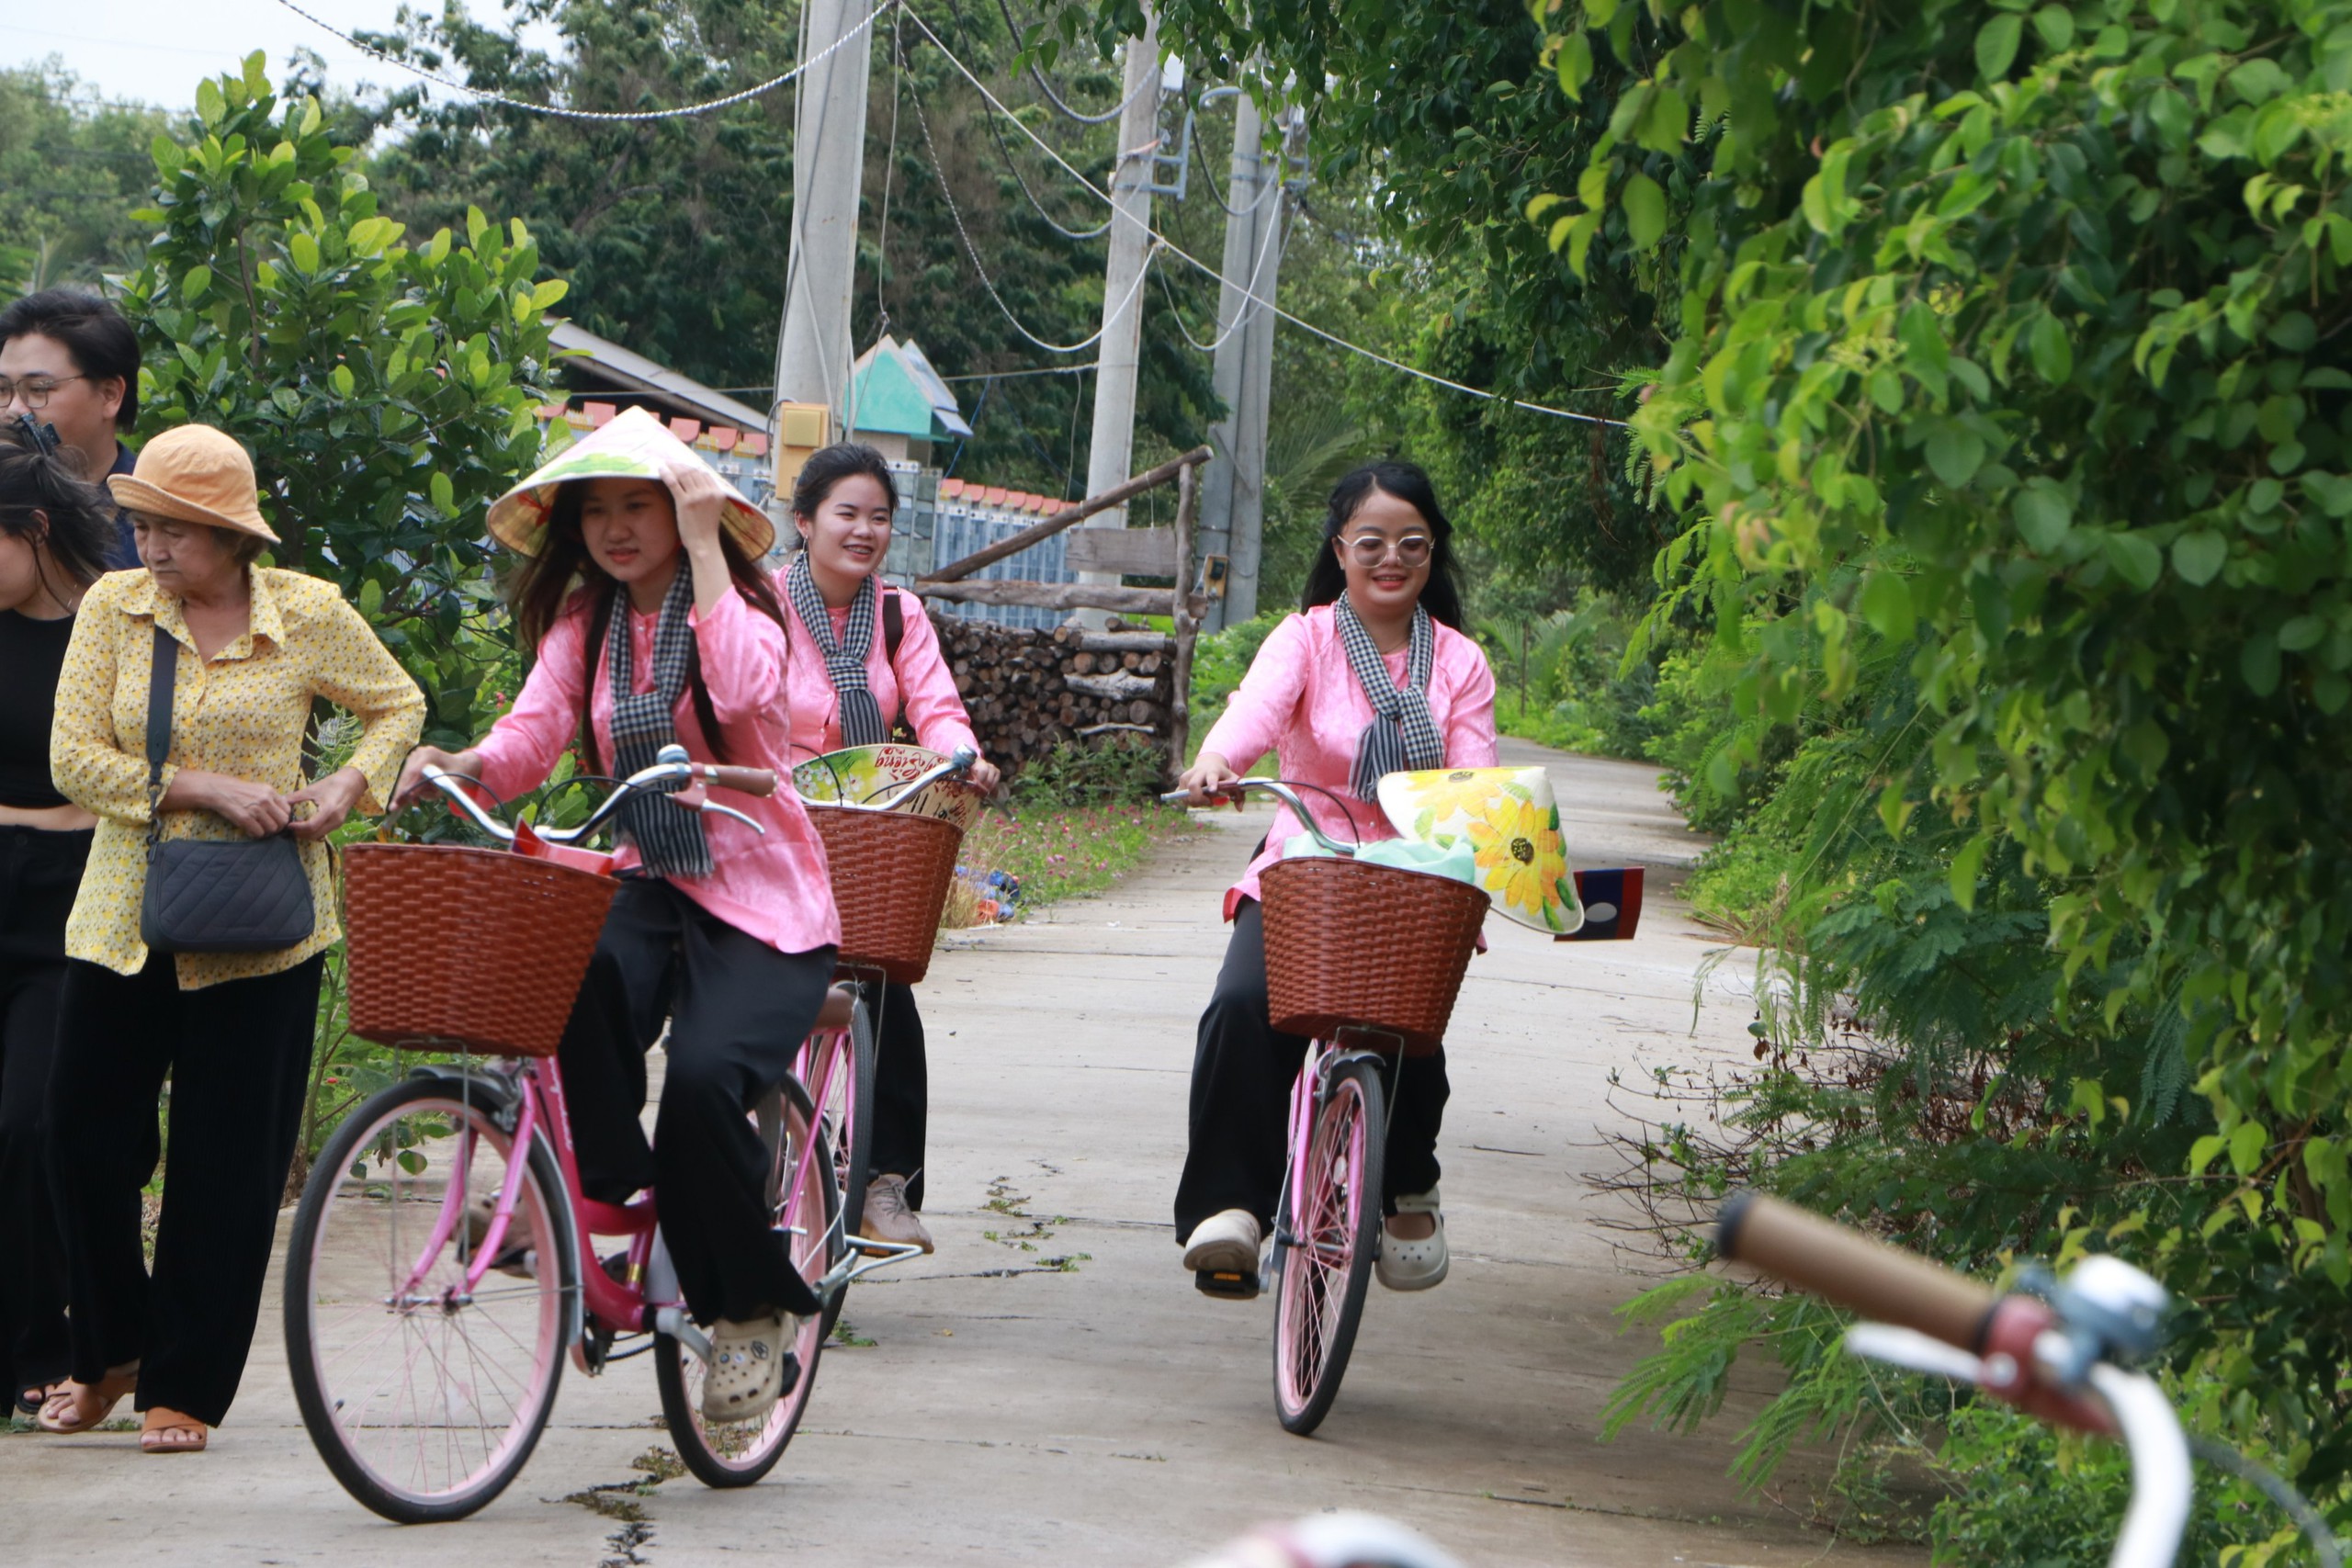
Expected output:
(1853, 1271)
(672, 768)
(758, 782)
(1281, 791)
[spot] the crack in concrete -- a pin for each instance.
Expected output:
(624, 1502)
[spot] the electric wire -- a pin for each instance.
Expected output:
(940, 170)
(963, 30)
(1249, 310)
(560, 112)
(1202, 267)
(1114, 112)
(1265, 186)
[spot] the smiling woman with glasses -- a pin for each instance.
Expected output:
(73, 359)
(1372, 676)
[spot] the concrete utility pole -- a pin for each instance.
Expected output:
(814, 349)
(1233, 487)
(1112, 447)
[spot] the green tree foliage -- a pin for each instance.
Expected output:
(673, 233)
(387, 390)
(71, 168)
(2036, 358)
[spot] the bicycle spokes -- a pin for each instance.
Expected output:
(425, 1338)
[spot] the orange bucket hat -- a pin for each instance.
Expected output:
(196, 473)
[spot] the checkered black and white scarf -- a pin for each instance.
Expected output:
(669, 839)
(862, 721)
(1401, 735)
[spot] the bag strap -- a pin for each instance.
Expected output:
(894, 624)
(894, 632)
(162, 676)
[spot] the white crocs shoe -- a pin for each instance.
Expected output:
(1414, 1265)
(1225, 1242)
(750, 1364)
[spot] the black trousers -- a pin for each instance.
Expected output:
(40, 872)
(1242, 1070)
(738, 1011)
(239, 1056)
(902, 1091)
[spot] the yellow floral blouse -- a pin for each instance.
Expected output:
(242, 713)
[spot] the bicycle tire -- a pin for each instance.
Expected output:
(853, 1156)
(714, 1456)
(320, 1348)
(1326, 1241)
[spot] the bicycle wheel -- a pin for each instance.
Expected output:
(1325, 1239)
(846, 1117)
(424, 1399)
(737, 1453)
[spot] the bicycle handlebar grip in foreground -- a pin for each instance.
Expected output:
(1850, 1269)
(745, 781)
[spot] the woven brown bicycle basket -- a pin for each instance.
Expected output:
(1351, 945)
(457, 949)
(891, 872)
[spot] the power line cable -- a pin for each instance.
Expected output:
(1250, 292)
(559, 112)
(1195, 262)
(1114, 112)
(940, 169)
(963, 30)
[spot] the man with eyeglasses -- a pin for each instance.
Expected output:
(71, 360)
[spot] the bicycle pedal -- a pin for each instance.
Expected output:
(1227, 1283)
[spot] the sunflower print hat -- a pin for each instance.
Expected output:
(1509, 820)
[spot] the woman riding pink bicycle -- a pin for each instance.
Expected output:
(673, 634)
(865, 658)
(1374, 676)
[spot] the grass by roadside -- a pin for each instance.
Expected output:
(1060, 851)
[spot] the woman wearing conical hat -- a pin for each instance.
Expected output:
(640, 594)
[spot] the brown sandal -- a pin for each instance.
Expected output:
(58, 1411)
(173, 1432)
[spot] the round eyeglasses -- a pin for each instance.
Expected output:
(1371, 549)
(32, 390)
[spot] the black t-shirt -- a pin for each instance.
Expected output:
(32, 652)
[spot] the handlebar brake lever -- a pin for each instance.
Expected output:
(713, 806)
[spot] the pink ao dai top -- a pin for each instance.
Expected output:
(774, 888)
(1302, 701)
(919, 680)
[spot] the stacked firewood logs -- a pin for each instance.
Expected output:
(1028, 690)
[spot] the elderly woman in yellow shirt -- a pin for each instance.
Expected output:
(256, 646)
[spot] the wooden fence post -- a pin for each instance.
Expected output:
(1188, 627)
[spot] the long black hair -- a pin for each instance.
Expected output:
(541, 587)
(1327, 579)
(80, 527)
(829, 466)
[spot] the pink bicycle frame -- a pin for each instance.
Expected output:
(618, 1304)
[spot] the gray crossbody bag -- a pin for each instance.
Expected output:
(213, 895)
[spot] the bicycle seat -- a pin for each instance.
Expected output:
(840, 1003)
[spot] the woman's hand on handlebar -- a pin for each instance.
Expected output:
(1205, 778)
(412, 782)
(985, 776)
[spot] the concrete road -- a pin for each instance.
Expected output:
(1049, 1388)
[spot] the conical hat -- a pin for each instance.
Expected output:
(1509, 818)
(633, 445)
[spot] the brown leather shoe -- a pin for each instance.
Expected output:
(887, 1216)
